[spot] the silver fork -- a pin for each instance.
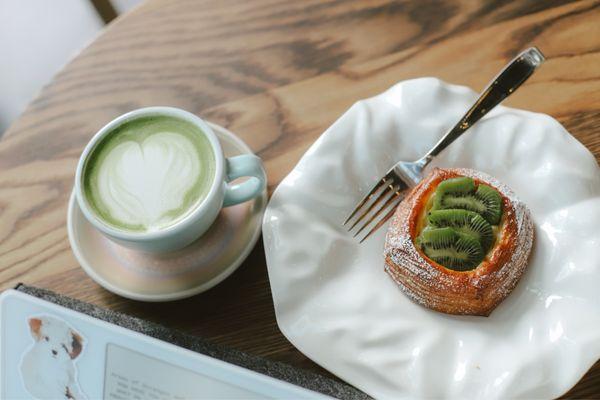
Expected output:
(381, 202)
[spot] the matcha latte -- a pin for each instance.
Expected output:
(148, 173)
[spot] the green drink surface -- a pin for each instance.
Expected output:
(148, 173)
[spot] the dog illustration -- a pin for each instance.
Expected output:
(47, 369)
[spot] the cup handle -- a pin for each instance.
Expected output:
(237, 167)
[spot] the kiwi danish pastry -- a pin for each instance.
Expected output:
(459, 242)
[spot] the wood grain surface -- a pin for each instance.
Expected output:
(277, 73)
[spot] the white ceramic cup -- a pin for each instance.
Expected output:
(192, 226)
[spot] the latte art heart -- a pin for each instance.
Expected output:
(149, 173)
(142, 182)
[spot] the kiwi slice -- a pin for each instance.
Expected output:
(492, 201)
(464, 221)
(456, 186)
(461, 193)
(452, 249)
(456, 193)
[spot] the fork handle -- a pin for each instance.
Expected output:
(508, 80)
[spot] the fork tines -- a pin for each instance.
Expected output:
(376, 207)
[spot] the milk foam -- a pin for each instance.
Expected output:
(149, 181)
(141, 182)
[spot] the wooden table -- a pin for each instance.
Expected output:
(277, 73)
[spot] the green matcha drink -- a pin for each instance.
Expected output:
(148, 173)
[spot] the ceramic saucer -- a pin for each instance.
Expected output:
(176, 275)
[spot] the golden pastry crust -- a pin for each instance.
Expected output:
(475, 292)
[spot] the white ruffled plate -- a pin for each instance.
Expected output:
(334, 301)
